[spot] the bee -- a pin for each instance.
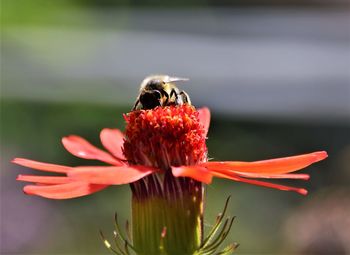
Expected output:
(160, 90)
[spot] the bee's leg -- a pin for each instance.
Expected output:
(173, 92)
(186, 99)
(167, 99)
(136, 104)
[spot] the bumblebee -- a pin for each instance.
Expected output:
(160, 90)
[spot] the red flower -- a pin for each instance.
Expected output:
(153, 143)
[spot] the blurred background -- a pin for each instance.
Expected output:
(276, 75)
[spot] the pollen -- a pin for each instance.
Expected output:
(107, 244)
(164, 137)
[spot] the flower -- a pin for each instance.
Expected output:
(163, 156)
(158, 141)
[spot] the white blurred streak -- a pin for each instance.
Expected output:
(284, 63)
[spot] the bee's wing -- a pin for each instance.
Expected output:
(174, 79)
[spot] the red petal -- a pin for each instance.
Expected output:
(271, 166)
(42, 166)
(113, 140)
(195, 172)
(81, 148)
(63, 191)
(44, 179)
(204, 118)
(111, 175)
(273, 176)
(260, 183)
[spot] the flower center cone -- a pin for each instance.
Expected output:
(167, 212)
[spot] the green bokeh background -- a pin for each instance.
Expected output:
(33, 121)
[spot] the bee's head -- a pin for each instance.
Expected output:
(150, 99)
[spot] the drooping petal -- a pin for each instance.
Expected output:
(44, 179)
(81, 148)
(63, 191)
(195, 172)
(113, 140)
(271, 166)
(41, 165)
(204, 118)
(274, 176)
(111, 175)
(235, 177)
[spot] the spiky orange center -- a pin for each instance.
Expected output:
(164, 137)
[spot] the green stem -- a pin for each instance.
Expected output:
(168, 223)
